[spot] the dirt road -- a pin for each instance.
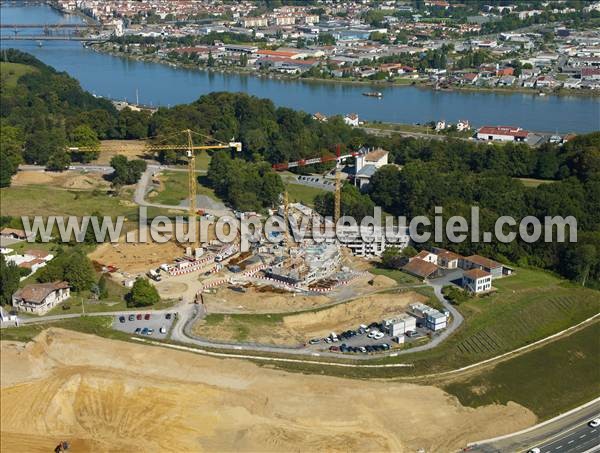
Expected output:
(106, 395)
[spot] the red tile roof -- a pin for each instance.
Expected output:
(36, 293)
(419, 267)
(483, 261)
(503, 130)
(476, 274)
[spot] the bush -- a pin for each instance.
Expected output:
(142, 294)
(455, 295)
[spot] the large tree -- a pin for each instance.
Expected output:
(9, 280)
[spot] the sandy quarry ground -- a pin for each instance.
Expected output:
(132, 149)
(273, 300)
(105, 395)
(73, 180)
(256, 301)
(135, 258)
(299, 328)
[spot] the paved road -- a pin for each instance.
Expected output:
(567, 434)
(189, 313)
(202, 201)
(388, 132)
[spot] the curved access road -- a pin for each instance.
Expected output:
(203, 202)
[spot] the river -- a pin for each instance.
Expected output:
(159, 84)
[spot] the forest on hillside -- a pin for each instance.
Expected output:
(45, 111)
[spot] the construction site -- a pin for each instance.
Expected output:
(277, 263)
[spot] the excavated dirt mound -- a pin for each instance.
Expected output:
(74, 180)
(136, 258)
(299, 328)
(254, 300)
(103, 395)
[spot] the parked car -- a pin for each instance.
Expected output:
(362, 349)
(138, 317)
(314, 341)
(163, 330)
(150, 331)
(138, 330)
(534, 450)
(412, 333)
(131, 317)
(594, 423)
(369, 348)
(147, 316)
(168, 316)
(334, 348)
(121, 318)
(145, 331)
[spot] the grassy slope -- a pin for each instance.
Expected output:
(303, 194)
(175, 188)
(527, 307)
(97, 325)
(47, 200)
(549, 380)
(11, 72)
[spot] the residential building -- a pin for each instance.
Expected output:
(448, 259)
(367, 163)
(372, 242)
(13, 233)
(41, 297)
(483, 263)
(351, 119)
(477, 281)
(421, 268)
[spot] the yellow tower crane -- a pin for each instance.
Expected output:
(190, 152)
(338, 188)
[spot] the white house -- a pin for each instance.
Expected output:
(351, 119)
(477, 281)
(41, 297)
(367, 163)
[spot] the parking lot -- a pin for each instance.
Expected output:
(157, 325)
(359, 338)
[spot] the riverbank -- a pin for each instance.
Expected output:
(401, 83)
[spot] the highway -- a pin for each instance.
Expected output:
(569, 433)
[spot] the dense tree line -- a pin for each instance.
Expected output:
(72, 265)
(247, 186)
(457, 175)
(48, 111)
(274, 134)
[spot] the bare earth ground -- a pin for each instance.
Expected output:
(134, 258)
(299, 328)
(74, 180)
(254, 301)
(106, 395)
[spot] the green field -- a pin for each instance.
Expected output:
(401, 278)
(11, 72)
(302, 194)
(527, 307)
(96, 325)
(548, 380)
(175, 188)
(47, 200)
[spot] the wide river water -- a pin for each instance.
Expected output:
(159, 84)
